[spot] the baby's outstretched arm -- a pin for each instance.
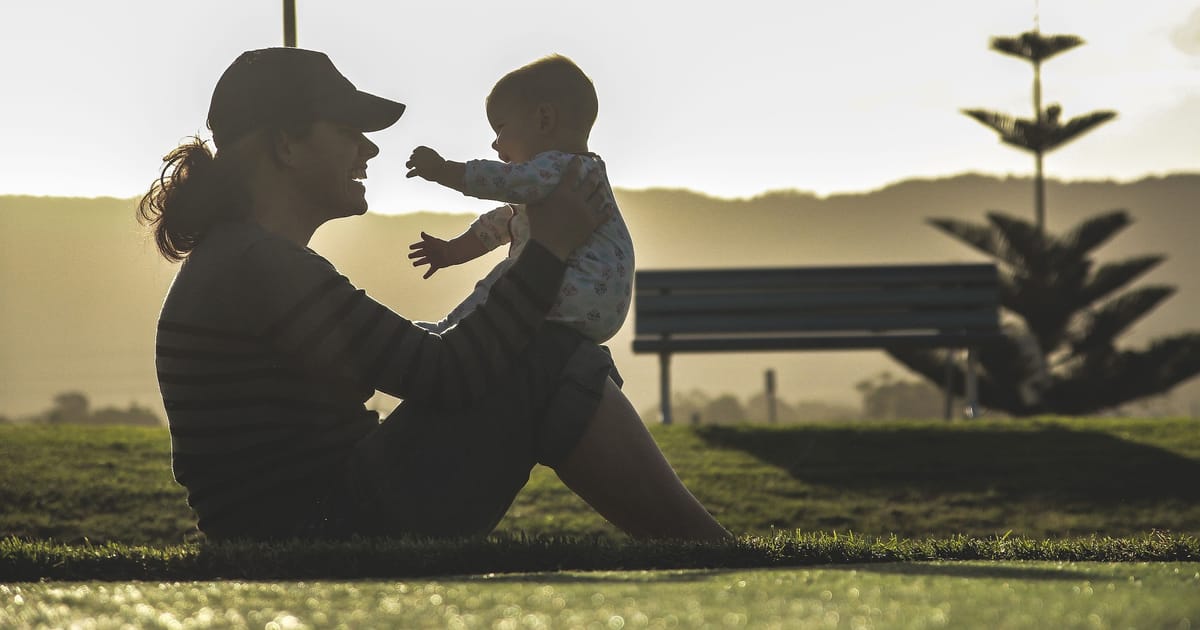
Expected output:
(437, 253)
(427, 164)
(517, 182)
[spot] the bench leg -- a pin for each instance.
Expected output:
(772, 407)
(972, 384)
(664, 362)
(948, 384)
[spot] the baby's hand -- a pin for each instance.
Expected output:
(425, 163)
(431, 251)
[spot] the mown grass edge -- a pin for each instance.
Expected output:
(34, 560)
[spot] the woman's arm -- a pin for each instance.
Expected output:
(306, 309)
(309, 311)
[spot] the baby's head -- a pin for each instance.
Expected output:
(549, 104)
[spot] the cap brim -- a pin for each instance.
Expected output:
(367, 112)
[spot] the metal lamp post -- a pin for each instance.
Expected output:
(289, 23)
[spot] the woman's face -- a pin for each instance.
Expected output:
(329, 163)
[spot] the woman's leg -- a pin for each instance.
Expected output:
(444, 474)
(454, 473)
(448, 473)
(619, 470)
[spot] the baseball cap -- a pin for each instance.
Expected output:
(291, 85)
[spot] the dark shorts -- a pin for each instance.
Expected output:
(447, 473)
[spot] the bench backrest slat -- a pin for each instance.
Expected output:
(961, 321)
(815, 277)
(743, 343)
(730, 301)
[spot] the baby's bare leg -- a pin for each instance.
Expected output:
(620, 471)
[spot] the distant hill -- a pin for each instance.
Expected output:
(82, 285)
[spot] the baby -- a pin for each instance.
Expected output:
(542, 114)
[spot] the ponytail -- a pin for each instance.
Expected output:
(195, 191)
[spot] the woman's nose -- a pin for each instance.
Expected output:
(496, 146)
(371, 149)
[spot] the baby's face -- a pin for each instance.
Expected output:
(517, 132)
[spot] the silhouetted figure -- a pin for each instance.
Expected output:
(542, 114)
(266, 355)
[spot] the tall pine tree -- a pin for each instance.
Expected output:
(1059, 352)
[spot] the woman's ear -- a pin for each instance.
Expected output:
(282, 147)
(547, 118)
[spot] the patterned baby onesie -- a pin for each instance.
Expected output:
(595, 293)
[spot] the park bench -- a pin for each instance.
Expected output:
(952, 306)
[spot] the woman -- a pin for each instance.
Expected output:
(266, 355)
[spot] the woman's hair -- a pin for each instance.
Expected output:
(195, 191)
(198, 189)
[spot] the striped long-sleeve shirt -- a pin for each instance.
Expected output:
(266, 357)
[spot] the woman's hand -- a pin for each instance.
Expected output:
(570, 213)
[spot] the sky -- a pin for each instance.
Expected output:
(732, 99)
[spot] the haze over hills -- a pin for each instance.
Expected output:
(82, 285)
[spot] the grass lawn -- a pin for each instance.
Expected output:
(1039, 478)
(991, 595)
(907, 525)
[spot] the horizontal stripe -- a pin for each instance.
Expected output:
(388, 351)
(354, 345)
(475, 366)
(335, 317)
(506, 347)
(540, 301)
(412, 369)
(220, 443)
(204, 331)
(234, 403)
(460, 385)
(522, 325)
(314, 296)
(216, 456)
(233, 425)
(232, 376)
(237, 432)
(176, 352)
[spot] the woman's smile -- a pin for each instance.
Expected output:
(356, 176)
